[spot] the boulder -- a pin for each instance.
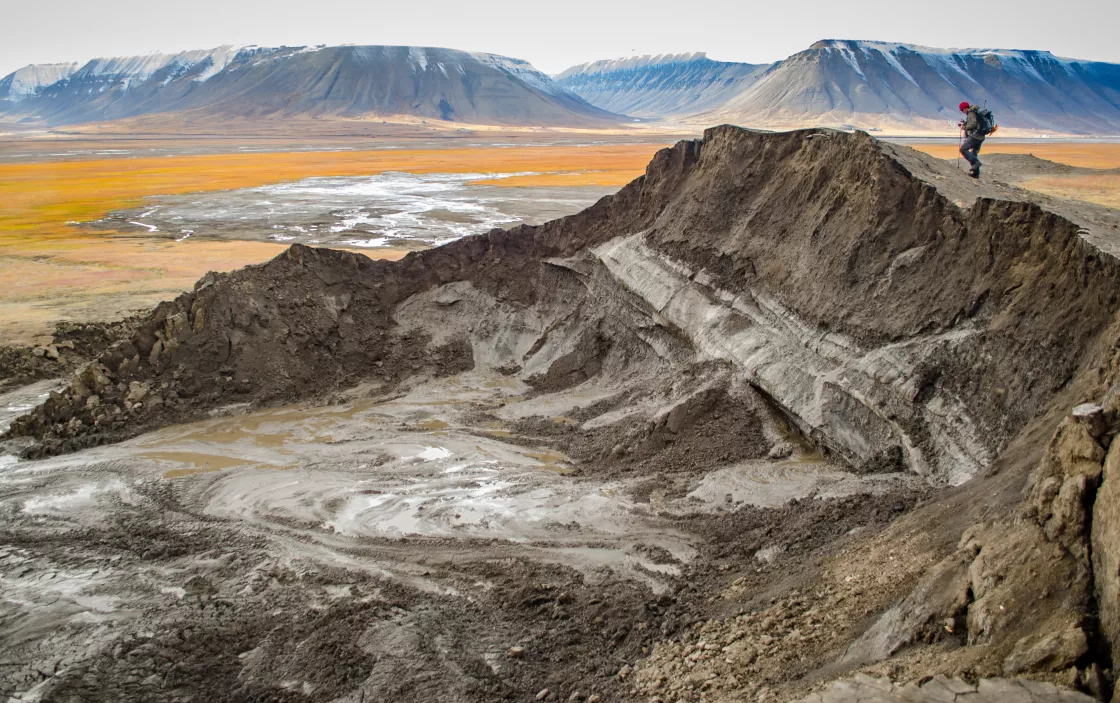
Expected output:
(137, 391)
(1106, 550)
(1052, 652)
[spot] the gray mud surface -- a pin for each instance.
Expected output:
(385, 549)
(385, 210)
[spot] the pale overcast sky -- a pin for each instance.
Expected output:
(552, 35)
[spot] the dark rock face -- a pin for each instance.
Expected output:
(350, 81)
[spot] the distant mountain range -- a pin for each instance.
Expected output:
(659, 86)
(893, 88)
(341, 81)
(871, 85)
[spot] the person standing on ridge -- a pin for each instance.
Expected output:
(977, 124)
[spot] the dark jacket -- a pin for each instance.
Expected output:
(972, 123)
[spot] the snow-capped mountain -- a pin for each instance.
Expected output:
(342, 81)
(29, 80)
(658, 86)
(872, 85)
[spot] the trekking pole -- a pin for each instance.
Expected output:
(960, 143)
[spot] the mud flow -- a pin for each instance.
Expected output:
(420, 529)
(397, 210)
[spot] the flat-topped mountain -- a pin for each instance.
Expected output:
(872, 85)
(340, 81)
(659, 86)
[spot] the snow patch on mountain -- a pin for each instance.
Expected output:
(418, 56)
(522, 70)
(631, 63)
(29, 80)
(137, 69)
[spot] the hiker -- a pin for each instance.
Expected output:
(977, 124)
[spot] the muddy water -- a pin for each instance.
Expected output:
(217, 543)
(20, 400)
(381, 210)
(411, 467)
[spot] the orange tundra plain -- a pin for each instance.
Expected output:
(1100, 188)
(51, 270)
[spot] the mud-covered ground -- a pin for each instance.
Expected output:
(71, 346)
(384, 210)
(412, 548)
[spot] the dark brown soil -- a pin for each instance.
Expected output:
(74, 345)
(245, 631)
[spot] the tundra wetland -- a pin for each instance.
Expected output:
(54, 266)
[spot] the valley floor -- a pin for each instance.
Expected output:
(74, 247)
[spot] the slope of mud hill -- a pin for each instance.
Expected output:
(939, 356)
(71, 347)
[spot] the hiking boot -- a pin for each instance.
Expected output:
(974, 173)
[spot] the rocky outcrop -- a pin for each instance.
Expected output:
(1099, 520)
(940, 688)
(72, 346)
(1022, 588)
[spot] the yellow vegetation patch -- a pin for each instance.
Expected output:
(1103, 189)
(49, 270)
(1100, 155)
(614, 177)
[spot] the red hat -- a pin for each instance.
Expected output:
(963, 106)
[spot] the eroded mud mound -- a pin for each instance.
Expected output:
(756, 309)
(72, 346)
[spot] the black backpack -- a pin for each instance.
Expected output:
(985, 122)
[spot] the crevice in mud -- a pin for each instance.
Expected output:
(1098, 658)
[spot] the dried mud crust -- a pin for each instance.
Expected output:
(209, 610)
